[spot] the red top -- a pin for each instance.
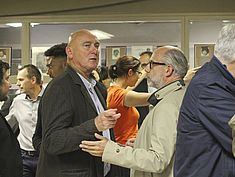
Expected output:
(127, 125)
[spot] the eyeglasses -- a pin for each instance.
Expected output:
(151, 63)
(139, 73)
(143, 65)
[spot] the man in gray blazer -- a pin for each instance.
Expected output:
(154, 147)
(72, 109)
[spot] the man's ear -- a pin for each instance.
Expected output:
(69, 52)
(169, 70)
(33, 80)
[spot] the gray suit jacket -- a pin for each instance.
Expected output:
(67, 114)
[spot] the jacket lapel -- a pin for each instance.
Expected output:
(77, 80)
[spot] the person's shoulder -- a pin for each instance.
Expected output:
(19, 99)
(116, 90)
(21, 96)
(61, 79)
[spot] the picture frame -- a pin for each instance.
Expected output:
(38, 58)
(203, 53)
(6, 55)
(137, 50)
(113, 53)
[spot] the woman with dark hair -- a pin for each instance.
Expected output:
(126, 75)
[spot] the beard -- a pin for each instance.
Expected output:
(156, 81)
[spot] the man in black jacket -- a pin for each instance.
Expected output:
(10, 154)
(72, 109)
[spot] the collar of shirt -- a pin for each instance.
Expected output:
(88, 83)
(162, 92)
(38, 97)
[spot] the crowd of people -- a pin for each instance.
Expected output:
(140, 117)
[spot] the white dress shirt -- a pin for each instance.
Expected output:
(25, 111)
(90, 88)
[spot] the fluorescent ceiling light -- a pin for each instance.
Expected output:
(101, 34)
(20, 24)
(14, 24)
(34, 24)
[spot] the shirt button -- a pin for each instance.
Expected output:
(117, 150)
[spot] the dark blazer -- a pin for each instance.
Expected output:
(67, 113)
(204, 139)
(10, 155)
(143, 110)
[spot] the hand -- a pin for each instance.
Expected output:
(191, 73)
(107, 119)
(95, 148)
(130, 142)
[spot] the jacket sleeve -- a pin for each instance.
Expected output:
(157, 157)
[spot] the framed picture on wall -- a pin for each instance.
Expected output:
(113, 53)
(137, 50)
(5, 54)
(38, 58)
(203, 53)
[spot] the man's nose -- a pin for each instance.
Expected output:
(18, 83)
(147, 68)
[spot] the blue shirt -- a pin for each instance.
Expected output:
(204, 139)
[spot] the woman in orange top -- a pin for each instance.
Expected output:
(125, 74)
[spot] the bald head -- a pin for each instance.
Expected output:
(167, 65)
(83, 52)
(79, 34)
(160, 52)
(173, 56)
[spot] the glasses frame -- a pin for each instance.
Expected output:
(151, 63)
(144, 65)
(139, 73)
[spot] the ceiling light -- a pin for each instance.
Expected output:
(20, 24)
(14, 24)
(101, 34)
(34, 24)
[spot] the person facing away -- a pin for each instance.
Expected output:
(104, 75)
(72, 108)
(56, 58)
(204, 140)
(24, 109)
(10, 154)
(100, 74)
(154, 147)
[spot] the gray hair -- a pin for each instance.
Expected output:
(225, 44)
(175, 57)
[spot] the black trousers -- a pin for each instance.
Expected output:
(117, 171)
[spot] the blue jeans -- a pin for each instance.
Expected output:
(29, 164)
